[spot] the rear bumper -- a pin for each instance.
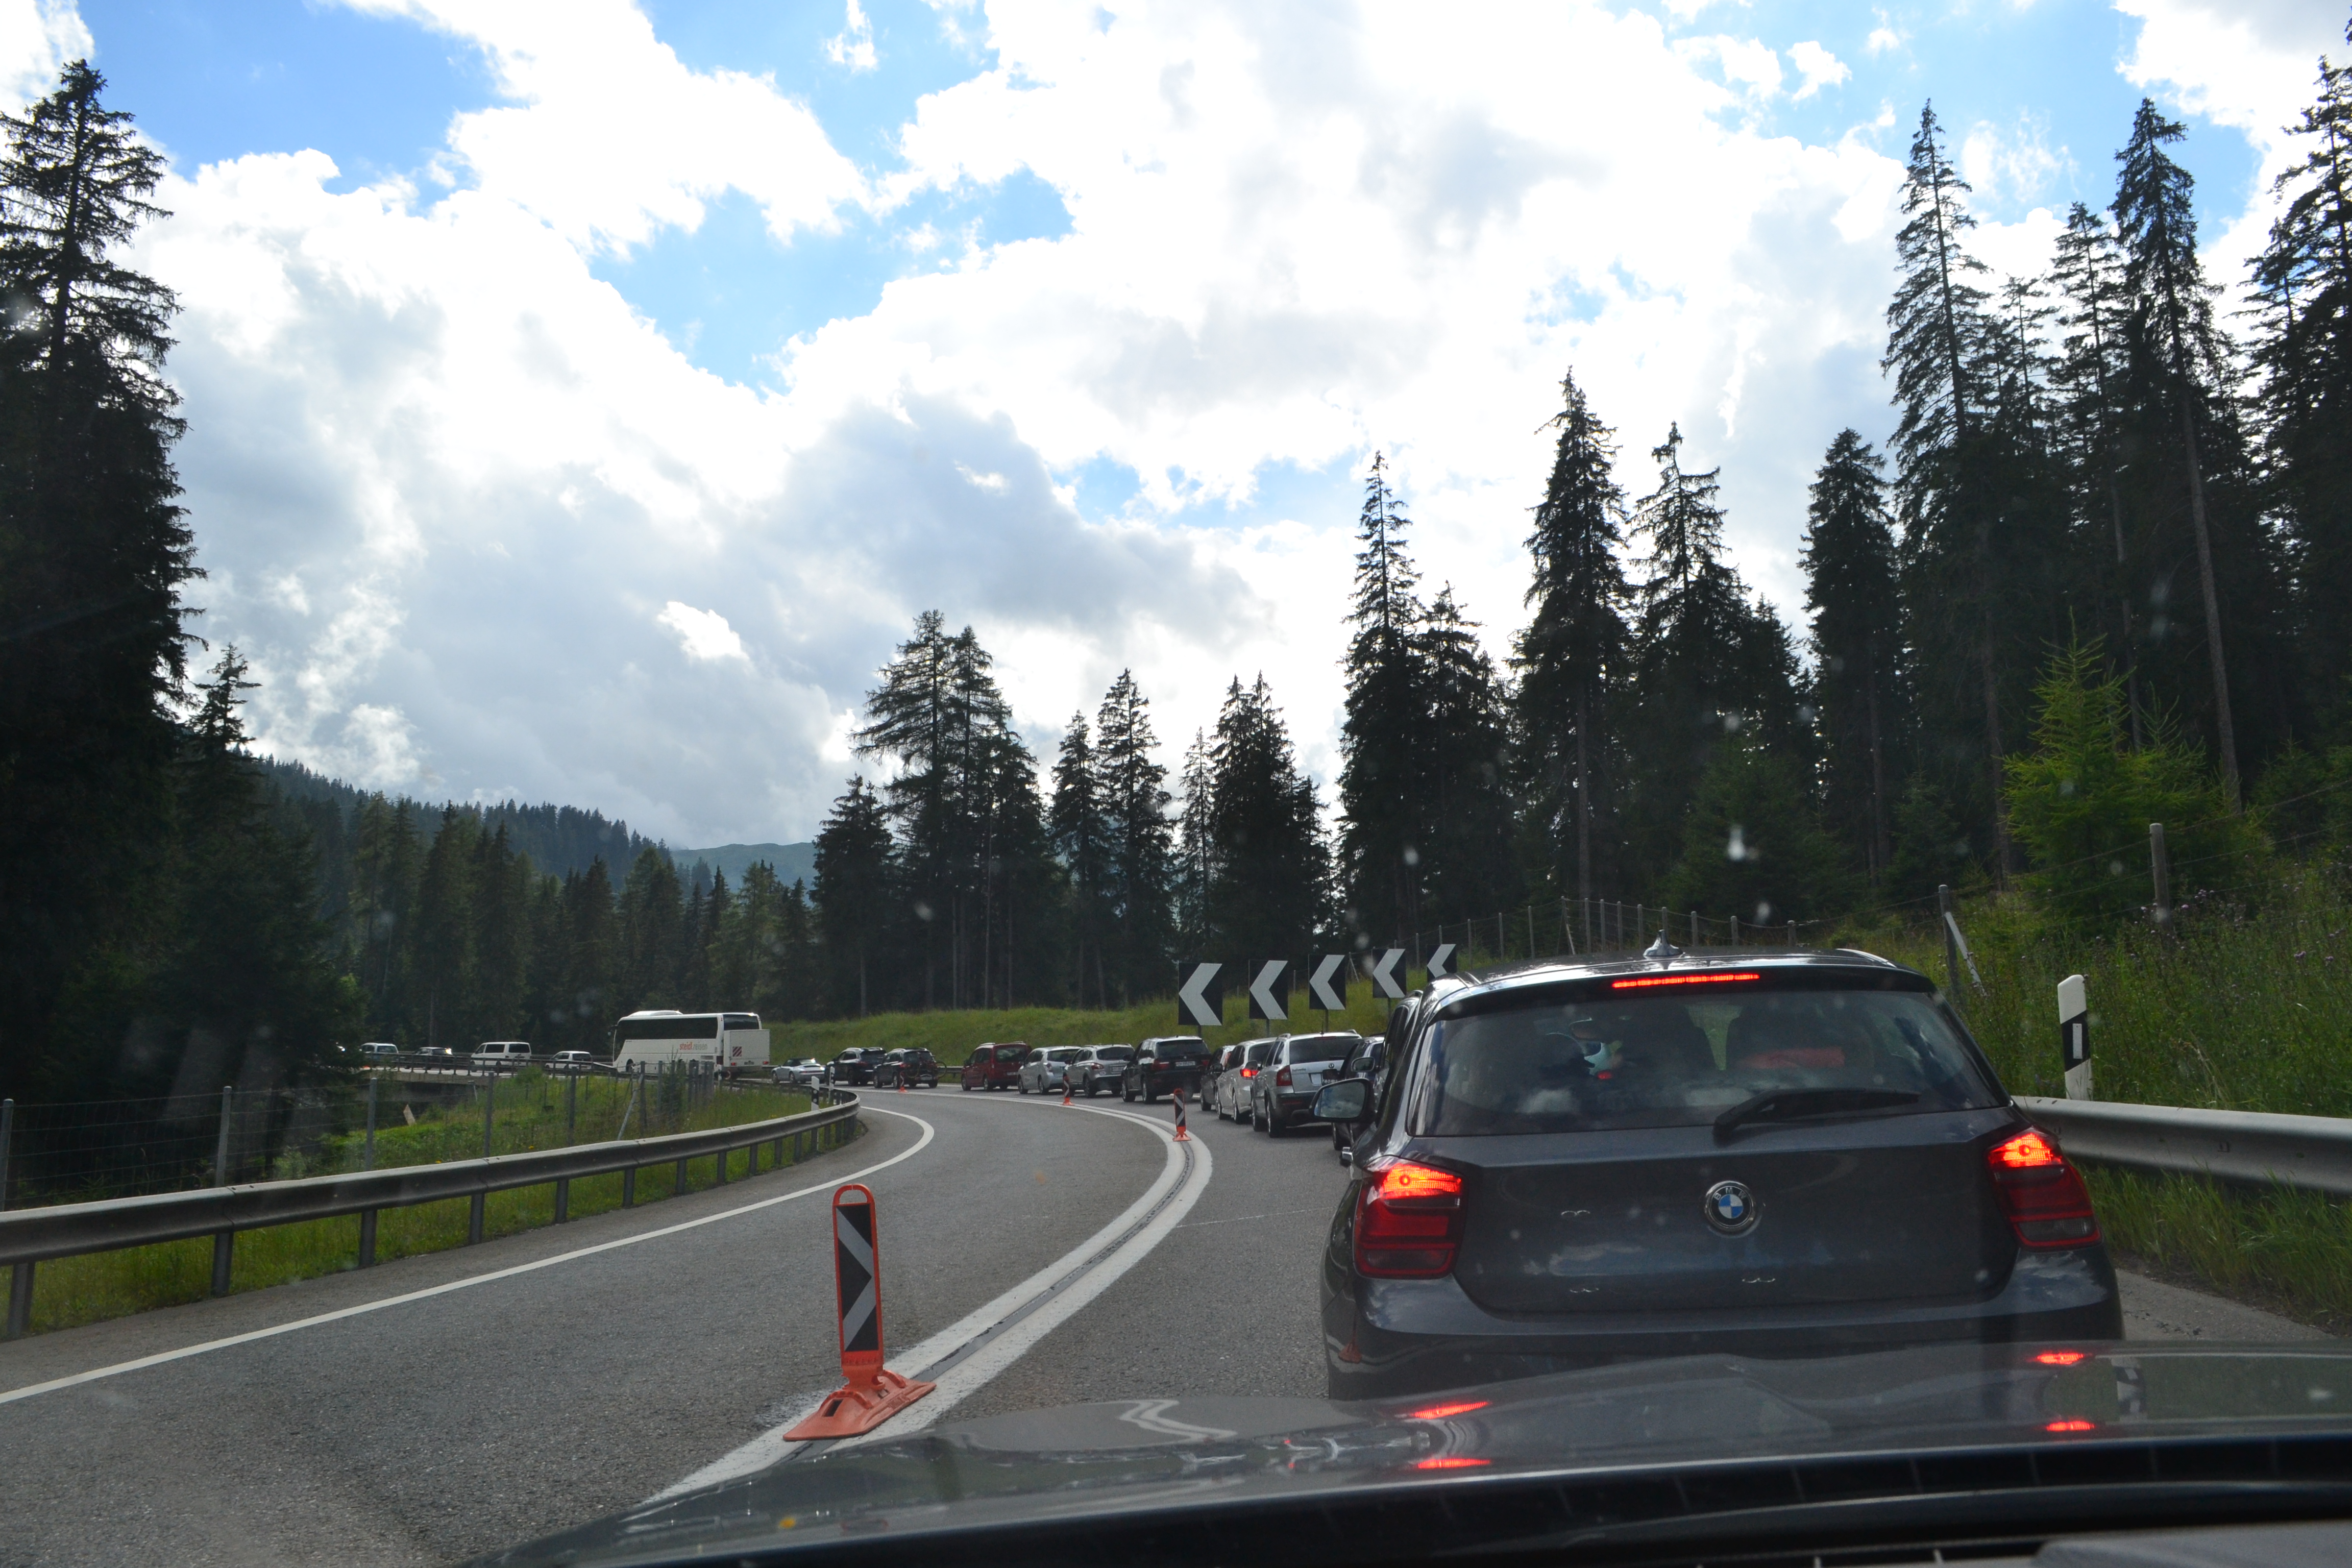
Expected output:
(1389, 1337)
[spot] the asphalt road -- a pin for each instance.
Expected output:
(1072, 1254)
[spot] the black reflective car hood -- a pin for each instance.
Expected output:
(1613, 1447)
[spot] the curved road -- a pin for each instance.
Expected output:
(441, 1407)
(461, 1421)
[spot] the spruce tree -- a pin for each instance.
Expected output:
(2173, 317)
(1938, 345)
(2088, 275)
(1571, 652)
(856, 891)
(1140, 863)
(2303, 346)
(1266, 894)
(93, 552)
(1704, 663)
(1384, 738)
(238, 958)
(1469, 866)
(1859, 690)
(1076, 821)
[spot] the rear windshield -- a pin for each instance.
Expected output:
(1683, 1061)
(1011, 1053)
(1070, 1054)
(1117, 1052)
(1181, 1050)
(1323, 1047)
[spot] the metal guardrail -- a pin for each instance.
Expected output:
(2313, 1153)
(28, 1237)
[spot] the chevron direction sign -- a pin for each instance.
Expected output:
(1441, 960)
(1385, 978)
(1199, 999)
(1328, 985)
(1269, 991)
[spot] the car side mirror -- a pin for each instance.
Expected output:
(1349, 1100)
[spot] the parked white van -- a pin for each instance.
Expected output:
(729, 1040)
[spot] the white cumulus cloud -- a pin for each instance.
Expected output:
(704, 634)
(1820, 67)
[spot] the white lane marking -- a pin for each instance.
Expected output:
(772, 1447)
(119, 1368)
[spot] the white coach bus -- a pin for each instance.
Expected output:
(733, 1041)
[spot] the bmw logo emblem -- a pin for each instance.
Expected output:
(1730, 1208)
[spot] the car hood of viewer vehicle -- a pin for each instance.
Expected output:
(1656, 1450)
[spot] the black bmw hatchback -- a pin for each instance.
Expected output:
(1752, 1152)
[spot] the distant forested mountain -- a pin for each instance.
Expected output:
(793, 862)
(559, 839)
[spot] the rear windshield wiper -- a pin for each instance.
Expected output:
(1798, 1104)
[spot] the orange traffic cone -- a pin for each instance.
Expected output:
(1065, 1091)
(1181, 1136)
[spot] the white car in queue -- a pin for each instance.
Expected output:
(660, 1038)
(1233, 1085)
(1042, 1072)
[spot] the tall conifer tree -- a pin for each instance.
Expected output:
(1571, 651)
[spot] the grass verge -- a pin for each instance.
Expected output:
(71, 1292)
(2243, 1009)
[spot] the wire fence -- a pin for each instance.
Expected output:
(1587, 926)
(75, 1151)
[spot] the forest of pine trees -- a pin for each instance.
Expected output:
(2102, 555)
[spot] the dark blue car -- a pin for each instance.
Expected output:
(1746, 1153)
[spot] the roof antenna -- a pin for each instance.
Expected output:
(1662, 949)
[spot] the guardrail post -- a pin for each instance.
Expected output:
(225, 1241)
(677, 1187)
(722, 1166)
(1734, 931)
(1951, 949)
(562, 1199)
(20, 1301)
(629, 1188)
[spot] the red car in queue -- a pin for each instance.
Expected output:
(996, 1065)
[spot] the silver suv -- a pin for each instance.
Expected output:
(1096, 1069)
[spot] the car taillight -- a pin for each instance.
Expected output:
(1249, 1072)
(2042, 1194)
(1283, 1077)
(1408, 1220)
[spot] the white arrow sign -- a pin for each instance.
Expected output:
(1441, 960)
(1269, 975)
(1198, 1010)
(1384, 975)
(1330, 991)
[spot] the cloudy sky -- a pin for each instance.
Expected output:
(585, 396)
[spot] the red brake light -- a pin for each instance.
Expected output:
(1249, 1072)
(2063, 1358)
(2042, 1194)
(1643, 982)
(1451, 1462)
(1282, 1076)
(2077, 1425)
(1408, 1221)
(1440, 1412)
(2030, 1150)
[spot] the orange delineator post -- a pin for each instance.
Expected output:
(870, 1392)
(1180, 1137)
